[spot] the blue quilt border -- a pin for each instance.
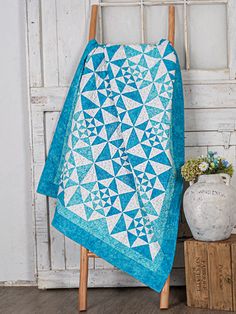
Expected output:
(154, 280)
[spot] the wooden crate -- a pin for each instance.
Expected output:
(210, 269)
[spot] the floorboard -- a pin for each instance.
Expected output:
(30, 300)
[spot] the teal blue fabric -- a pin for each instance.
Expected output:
(114, 162)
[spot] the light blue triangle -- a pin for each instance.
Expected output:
(125, 199)
(76, 198)
(85, 152)
(153, 111)
(82, 171)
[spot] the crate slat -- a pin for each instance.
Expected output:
(196, 274)
(220, 276)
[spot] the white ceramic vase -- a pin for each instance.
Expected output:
(210, 207)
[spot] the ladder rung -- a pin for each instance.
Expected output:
(90, 254)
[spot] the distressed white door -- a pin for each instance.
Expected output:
(206, 45)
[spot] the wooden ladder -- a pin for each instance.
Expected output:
(85, 254)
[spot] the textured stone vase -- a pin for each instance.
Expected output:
(210, 207)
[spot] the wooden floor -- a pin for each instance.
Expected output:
(30, 300)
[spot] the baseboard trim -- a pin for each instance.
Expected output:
(98, 278)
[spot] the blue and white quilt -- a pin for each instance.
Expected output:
(114, 162)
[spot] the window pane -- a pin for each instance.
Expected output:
(207, 36)
(156, 27)
(156, 23)
(121, 25)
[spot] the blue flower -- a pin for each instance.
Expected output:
(225, 163)
(212, 154)
(216, 161)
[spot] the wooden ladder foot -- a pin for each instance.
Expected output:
(83, 282)
(164, 299)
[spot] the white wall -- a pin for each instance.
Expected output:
(16, 237)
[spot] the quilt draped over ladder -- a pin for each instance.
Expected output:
(114, 162)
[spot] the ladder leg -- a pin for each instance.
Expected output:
(83, 284)
(164, 299)
(171, 30)
(93, 22)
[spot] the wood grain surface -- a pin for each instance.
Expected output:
(210, 272)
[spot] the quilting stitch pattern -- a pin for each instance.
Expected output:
(118, 160)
